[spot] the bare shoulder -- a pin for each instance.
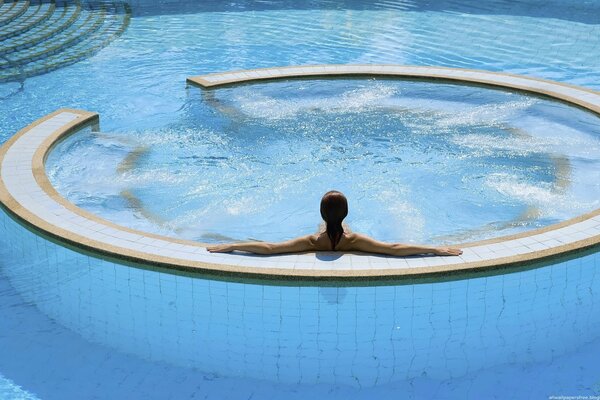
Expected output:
(306, 240)
(364, 243)
(312, 239)
(320, 241)
(351, 240)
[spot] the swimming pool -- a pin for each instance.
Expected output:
(110, 329)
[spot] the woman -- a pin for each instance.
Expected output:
(334, 208)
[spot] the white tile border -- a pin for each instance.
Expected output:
(30, 196)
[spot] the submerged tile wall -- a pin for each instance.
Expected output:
(358, 336)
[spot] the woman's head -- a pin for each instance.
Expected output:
(334, 208)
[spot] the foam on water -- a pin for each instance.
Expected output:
(550, 201)
(537, 135)
(351, 101)
(419, 162)
(12, 391)
(487, 114)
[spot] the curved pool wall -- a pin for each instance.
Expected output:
(357, 336)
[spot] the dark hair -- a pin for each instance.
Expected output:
(334, 208)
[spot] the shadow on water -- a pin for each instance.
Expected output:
(586, 13)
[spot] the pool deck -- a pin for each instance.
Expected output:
(26, 193)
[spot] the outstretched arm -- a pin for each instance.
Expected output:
(370, 245)
(298, 245)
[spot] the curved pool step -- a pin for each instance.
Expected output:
(34, 17)
(84, 49)
(51, 36)
(17, 9)
(66, 14)
(31, 11)
(86, 25)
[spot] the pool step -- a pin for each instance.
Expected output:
(50, 34)
(15, 10)
(86, 25)
(66, 14)
(35, 16)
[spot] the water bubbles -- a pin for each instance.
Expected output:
(418, 161)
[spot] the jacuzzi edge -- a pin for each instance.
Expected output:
(237, 77)
(169, 263)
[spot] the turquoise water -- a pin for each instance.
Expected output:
(78, 327)
(253, 161)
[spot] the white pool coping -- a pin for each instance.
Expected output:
(26, 192)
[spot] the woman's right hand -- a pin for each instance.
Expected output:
(220, 248)
(448, 251)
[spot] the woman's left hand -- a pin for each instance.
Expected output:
(448, 251)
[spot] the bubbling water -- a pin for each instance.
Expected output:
(419, 161)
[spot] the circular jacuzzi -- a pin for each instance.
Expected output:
(421, 162)
(402, 157)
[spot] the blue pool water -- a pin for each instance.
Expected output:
(79, 327)
(74, 326)
(247, 158)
